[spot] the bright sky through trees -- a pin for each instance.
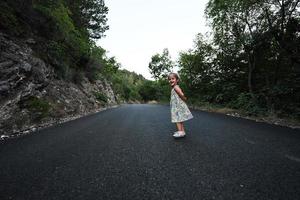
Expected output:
(141, 28)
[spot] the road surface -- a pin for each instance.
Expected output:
(129, 153)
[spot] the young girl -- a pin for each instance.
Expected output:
(179, 110)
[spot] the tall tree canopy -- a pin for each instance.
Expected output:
(90, 16)
(253, 60)
(161, 65)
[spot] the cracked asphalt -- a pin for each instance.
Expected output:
(129, 153)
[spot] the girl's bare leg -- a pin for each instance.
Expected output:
(182, 127)
(179, 126)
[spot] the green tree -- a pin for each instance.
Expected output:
(148, 91)
(196, 68)
(161, 65)
(89, 16)
(262, 36)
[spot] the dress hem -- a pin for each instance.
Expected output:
(182, 120)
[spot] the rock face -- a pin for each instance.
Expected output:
(31, 95)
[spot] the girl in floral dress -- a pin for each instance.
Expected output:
(179, 110)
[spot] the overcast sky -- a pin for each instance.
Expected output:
(142, 28)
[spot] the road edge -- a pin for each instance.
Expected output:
(52, 122)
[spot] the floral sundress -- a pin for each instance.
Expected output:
(179, 110)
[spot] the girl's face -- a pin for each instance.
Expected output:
(173, 80)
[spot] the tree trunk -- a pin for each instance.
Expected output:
(251, 66)
(268, 96)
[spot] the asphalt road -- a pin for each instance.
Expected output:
(129, 153)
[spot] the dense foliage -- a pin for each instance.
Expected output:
(127, 85)
(253, 61)
(65, 33)
(256, 63)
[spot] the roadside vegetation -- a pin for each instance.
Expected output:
(65, 34)
(251, 65)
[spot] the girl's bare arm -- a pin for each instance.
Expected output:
(179, 92)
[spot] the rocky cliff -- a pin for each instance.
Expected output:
(32, 96)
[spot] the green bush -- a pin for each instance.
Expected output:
(246, 103)
(101, 97)
(39, 107)
(56, 54)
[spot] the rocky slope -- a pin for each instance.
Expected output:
(31, 96)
